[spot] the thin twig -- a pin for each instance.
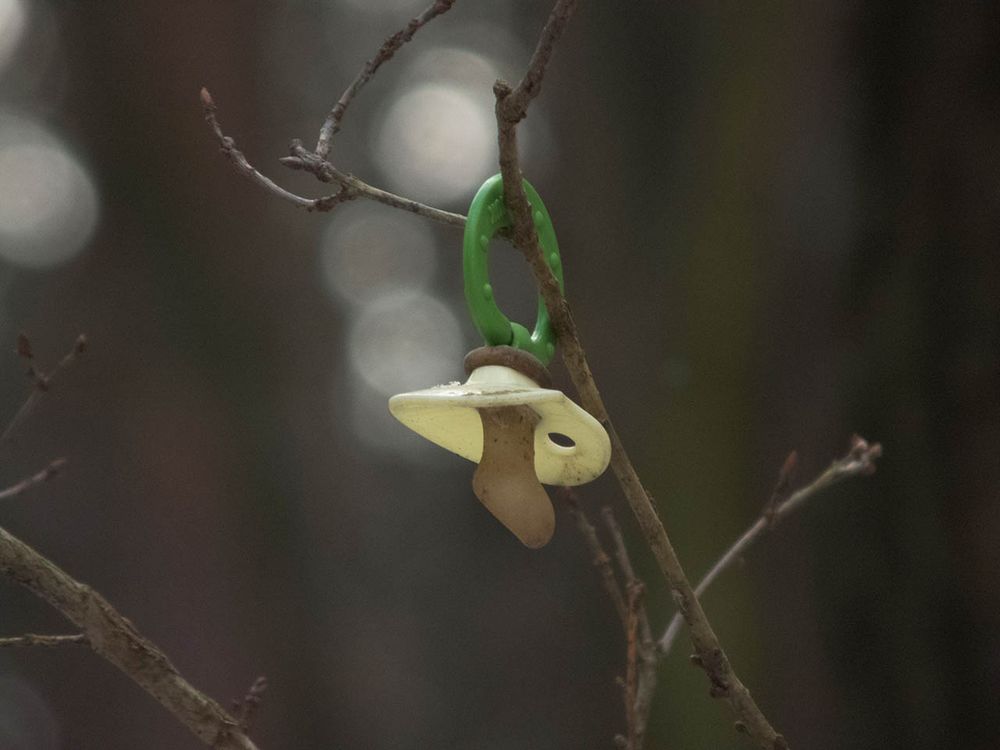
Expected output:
(646, 647)
(27, 483)
(511, 107)
(781, 488)
(331, 126)
(115, 639)
(599, 557)
(859, 461)
(106, 631)
(302, 158)
(43, 641)
(640, 647)
(42, 381)
(635, 592)
(228, 147)
(516, 105)
(351, 187)
(625, 563)
(246, 709)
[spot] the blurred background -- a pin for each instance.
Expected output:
(779, 226)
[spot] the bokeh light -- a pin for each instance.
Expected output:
(499, 56)
(48, 202)
(436, 140)
(373, 424)
(459, 67)
(436, 143)
(404, 341)
(13, 21)
(368, 251)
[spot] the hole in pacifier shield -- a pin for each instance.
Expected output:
(563, 441)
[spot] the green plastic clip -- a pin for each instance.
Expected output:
(487, 216)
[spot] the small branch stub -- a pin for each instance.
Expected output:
(246, 709)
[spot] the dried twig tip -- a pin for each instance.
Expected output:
(246, 708)
(863, 454)
(23, 348)
(42, 476)
(788, 468)
(206, 99)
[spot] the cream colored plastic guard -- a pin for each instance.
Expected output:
(448, 415)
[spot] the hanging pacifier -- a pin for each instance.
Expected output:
(505, 417)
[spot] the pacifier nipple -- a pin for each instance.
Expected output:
(505, 480)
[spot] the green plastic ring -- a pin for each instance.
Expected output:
(487, 216)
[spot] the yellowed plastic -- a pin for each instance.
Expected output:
(447, 415)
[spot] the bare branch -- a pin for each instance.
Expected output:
(516, 105)
(635, 593)
(640, 682)
(859, 461)
(351, 187)
(245, 710)
(228, 147)
(27, 483)
(114, 638)
(106, 631)
(331, 126)
(510, 109)
(44, 641)
(303, 159)
(625, 563)
(781, 489)
(599, 557)
(642, 699)
(42, 382)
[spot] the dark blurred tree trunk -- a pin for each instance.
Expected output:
(204, 286)
(918, 664)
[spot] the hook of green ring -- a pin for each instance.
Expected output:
(488, 215)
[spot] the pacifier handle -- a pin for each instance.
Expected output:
(488, 215)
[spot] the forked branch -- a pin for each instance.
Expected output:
(350, 186)
(598, 556)
(331, 126)
(511, 108)
(228, 147)
(41, 381)
(115, 639)
(859, 461)
(104, 630)
(316, 162)
(639, 683)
